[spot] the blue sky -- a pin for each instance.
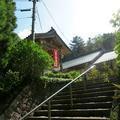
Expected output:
(85, 18)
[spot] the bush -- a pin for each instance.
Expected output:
(68, 75)
(104, 71)
(117, 47)
(93, 74)
(10, 80)
(58, 77)
(27, 58)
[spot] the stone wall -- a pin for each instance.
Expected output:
(30, 97)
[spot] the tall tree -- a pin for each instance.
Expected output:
(115, 21)
(98, 41)
(7, 26)
(7, 18)
(77, 45)
(108, 42)
(7, 23)
(105, 41)
(90, 45)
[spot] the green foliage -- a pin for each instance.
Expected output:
(103, 71)
(115, 111)
(28, 58)
(105, 41)
(7, 19)
(8, 77)
(19, 59)
(46, 79)
(107, 72)
(77, 45)
(90, 45)
(115, 21)
(108, 42)
(7, 26)
(79, 48)
(117, 48)
(10, 80)
(58, 77)
(93, 74)
(68, 75)
(74, 74)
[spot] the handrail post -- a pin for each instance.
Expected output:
(118, 106)
(71, 96)
(119, 111)
(85, 82)
(49, 110)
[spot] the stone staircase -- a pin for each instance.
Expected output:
(93, 103)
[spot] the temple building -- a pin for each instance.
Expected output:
(96, 57)
(54, 45)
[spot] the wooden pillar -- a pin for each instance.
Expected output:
(60, 59)
(49, 110)
(71, 96)
(85, 81)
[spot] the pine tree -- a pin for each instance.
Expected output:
(7, 19)
(77, 45)
(7, 24)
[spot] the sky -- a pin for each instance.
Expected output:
(84, 18)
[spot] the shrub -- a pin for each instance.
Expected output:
(68, 75)
(27, 58)
(10, 80)
(93, 74)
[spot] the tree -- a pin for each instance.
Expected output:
(105, 41)
(7, 26)
(77, 45)
(117, 47)
(108, 42)
(115, 21)
(27, 59)
(90, 45)
(7, 19)
(98, 42)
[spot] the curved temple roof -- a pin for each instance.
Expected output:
(106, 57)
(90, 57)
(80, 60)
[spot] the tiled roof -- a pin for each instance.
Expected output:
(106, 57)
(90, 57)
(80, 60)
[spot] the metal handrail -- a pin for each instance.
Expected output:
(92, 66)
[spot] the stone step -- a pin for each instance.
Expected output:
(80, 106)
(67, 118)
(87, 90)
(75, 112)
(90, 94)
(83, 100)
(91, 86)
(94, 103)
